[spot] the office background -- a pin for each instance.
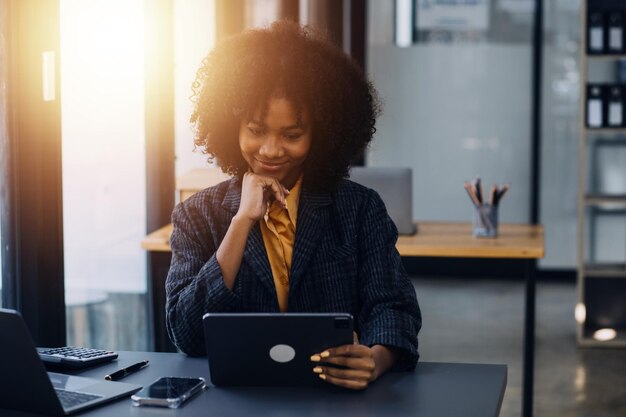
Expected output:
(458, 103)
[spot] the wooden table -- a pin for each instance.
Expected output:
(448, 240)
(198, 179)
(454, 240)
(159, 240)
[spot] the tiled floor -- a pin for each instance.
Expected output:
(472, 320)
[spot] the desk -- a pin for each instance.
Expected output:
(433, 390)
(449, 240)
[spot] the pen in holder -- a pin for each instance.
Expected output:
(485, 218)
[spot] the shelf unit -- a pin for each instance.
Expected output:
(601, 286)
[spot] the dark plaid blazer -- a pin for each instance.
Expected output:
(344, 260)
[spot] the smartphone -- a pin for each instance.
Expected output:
(169, 392)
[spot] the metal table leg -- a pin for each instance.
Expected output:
(529, 341)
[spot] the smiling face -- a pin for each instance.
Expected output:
(278, 145)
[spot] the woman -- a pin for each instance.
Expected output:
(285, 112)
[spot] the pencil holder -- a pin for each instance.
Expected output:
(485, 221)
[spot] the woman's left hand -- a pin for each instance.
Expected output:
(358, 360)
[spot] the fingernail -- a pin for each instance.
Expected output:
(325, 354)
(317, 369)
(287, 191)
(316, 358)
(323, 377)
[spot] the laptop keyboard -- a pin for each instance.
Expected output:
(71, 399)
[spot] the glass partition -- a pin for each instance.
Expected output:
(560, 132)
(457, 102)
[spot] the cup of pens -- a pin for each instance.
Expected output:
(485, 218)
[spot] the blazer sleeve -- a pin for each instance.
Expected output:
(194, 284)
(389, 313)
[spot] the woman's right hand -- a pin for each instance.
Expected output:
(256, 191)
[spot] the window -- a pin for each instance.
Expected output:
(194, 36)
(102, 78)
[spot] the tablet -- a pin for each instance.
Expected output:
(265, 349)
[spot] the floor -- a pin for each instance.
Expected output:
(119, 322)
(473, 320)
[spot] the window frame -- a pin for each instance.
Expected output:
(32, 228)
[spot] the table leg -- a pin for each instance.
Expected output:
(529, 341)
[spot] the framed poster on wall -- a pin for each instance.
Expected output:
(461, 15)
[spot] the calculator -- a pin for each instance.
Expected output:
(75, 357)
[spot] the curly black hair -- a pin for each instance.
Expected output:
(242, 73)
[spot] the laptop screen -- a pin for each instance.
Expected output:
(395, 187)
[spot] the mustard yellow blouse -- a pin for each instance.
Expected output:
(279, 231)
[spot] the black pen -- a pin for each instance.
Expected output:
(478, 190)
(124, 372)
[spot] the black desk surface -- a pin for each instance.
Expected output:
(433, 390)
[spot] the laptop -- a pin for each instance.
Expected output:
(26, 386)
(395, 187)
(265, 349)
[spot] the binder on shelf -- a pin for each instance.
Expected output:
(615, 106)
(621, 71)
(615, 32)
(595, 34)
(594, 105)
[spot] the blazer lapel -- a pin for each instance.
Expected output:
(312, 223)
(254, 254)
(232, 198)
